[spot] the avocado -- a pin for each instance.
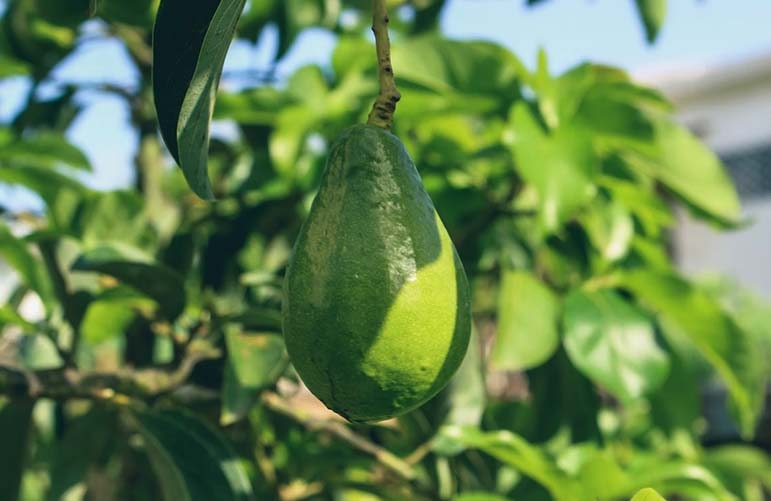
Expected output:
(376, 311)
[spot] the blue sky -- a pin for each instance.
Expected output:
(571, 31)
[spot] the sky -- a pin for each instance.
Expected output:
(697, 32)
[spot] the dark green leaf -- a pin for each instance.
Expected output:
(528, 315)
(190, 44)
(15, 424)
(134, 268)
(652, 14)
(613, 343)
(86, 442)
(191, 460)
(691, 315)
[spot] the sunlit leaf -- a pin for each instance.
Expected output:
(528, 316)
(647, 494)
(613, 343)
(691, 315)
(560, 166)
(514, 451)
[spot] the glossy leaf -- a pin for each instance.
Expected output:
(189, 48)
(691, 315)
(134, 268)
(528, 316)
(191, 460)
(613, 343)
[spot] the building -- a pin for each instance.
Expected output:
(729, 107)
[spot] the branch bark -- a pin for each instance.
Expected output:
(69, 383)
(342, 432)
(382, 113)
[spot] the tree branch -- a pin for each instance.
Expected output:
(69, 383)
(342, 432)
(382, 113)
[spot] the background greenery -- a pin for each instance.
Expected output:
(157, 367)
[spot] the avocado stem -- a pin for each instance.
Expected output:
(383, 110)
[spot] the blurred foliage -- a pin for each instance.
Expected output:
(140, 346)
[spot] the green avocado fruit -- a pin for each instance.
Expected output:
(376, 312)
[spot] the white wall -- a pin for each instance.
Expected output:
(742, 254)
(729, 107)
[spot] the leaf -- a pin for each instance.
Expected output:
(652, 14)
(191, 460)
(688, 480)
(736, 463)
(514, 451)
(694, 173)
(190, 42)
(528, 312)
(690, 315)
(256, 360)
(50, 185)
(613, 343)
(86, 440)
(15, 425)
(610, 228)
(560, 166)
(647, 494)
(9, 316)
(10, 67)
(45, 149)
(134, 268)
(31, 269)
(479, 496)
(110, 314)
(449, 67)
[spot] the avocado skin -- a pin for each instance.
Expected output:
(376, 311)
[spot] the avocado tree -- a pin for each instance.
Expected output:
(141, 345)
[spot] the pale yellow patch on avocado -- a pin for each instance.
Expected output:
(425, 309)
